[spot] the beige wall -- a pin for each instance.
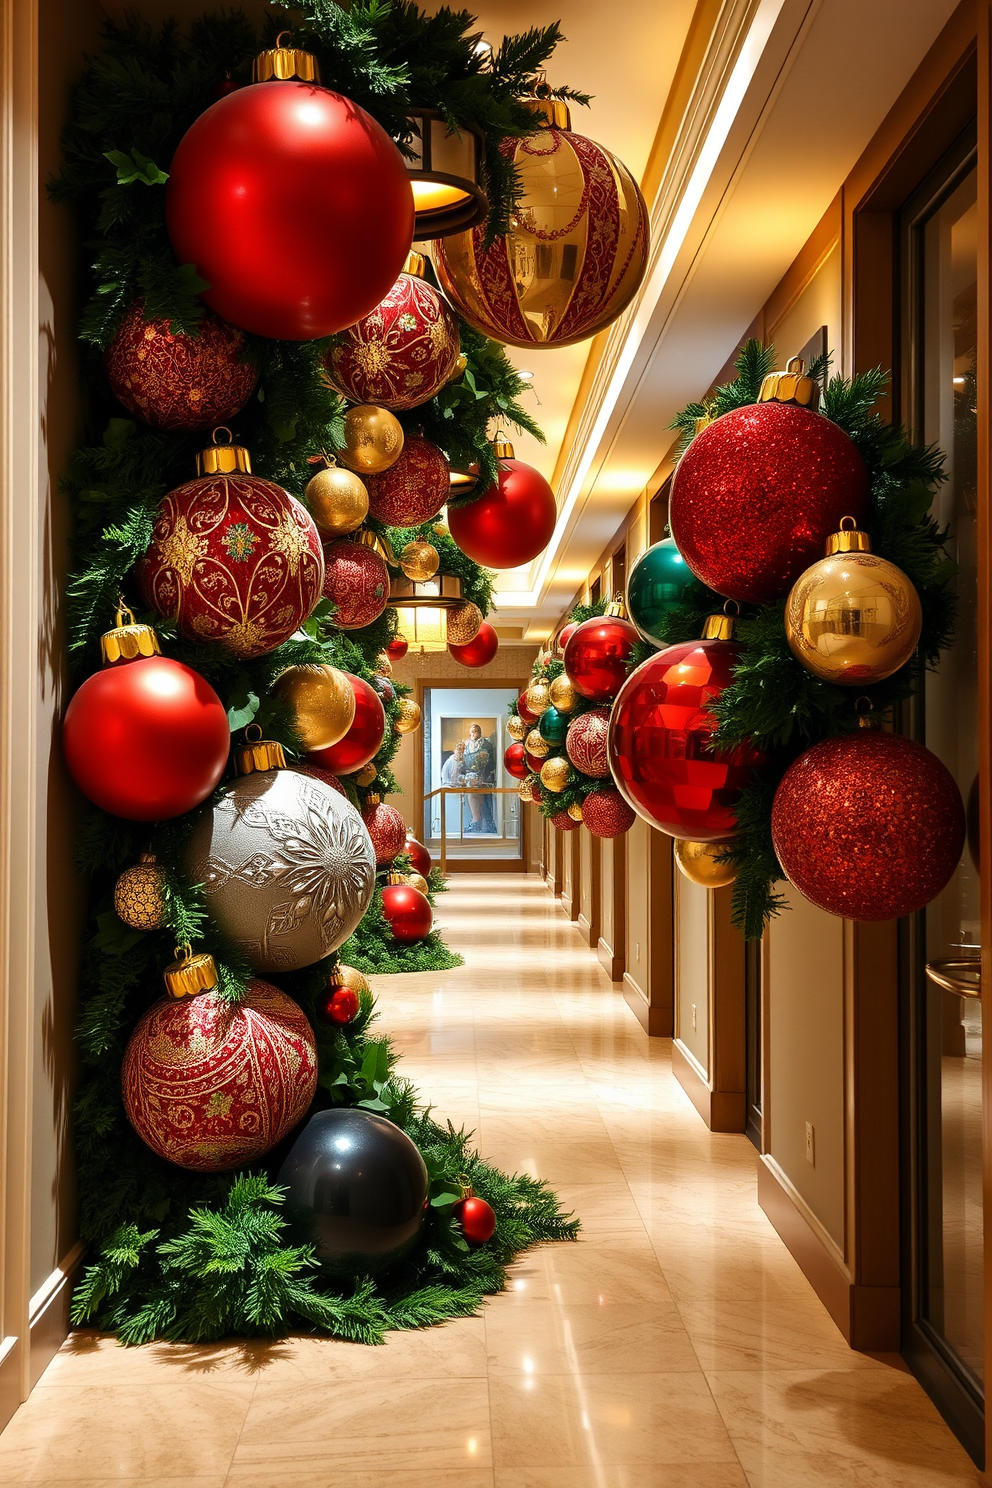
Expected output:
(692, 969)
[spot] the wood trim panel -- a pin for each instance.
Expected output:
(654, 1000)
(721, 1110)
(720, 1096)
(590, 922)
(613, 870)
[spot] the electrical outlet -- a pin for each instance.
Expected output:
(637, 950)
(693, 1015)
(810, 1145)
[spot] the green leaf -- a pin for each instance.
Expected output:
(242, 709)
(136, 167)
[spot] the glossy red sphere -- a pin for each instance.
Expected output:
(515, 762)
(527, 714)
(479, 651)
(511, 522)
(659, 743)
(477, 1219)
(294, 205)
(533, 763)
(420, 858)
(338, 1005)
(397, 648)
(407, 911)
(146, 739)
(598, 655)
(363, 740)
(566, 632)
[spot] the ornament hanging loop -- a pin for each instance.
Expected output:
(864, 707)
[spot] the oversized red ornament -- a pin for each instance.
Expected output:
(316, 773)
(179, 380)
(512, 521)
(294, 205)
(357, 582)
(212, 1085)
(480, 651)
(757, 494)
(338, 1006)
(363, 740)
(146, 738)
(403, 352)
(869, 826)
(606, 813)
(660, 736)
(564, 822)
(414, 488)
(386, 827)
(420, 858)
(397, 648)
(598, 654)
(527, 714)
(233, 558)
(477, 1219)
(408, 912)
(586, 743)
(515, 762)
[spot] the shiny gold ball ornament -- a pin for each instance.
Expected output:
(373, 439)
(338, 501)
(563, 695)
(139, 894)
(409, 716)
(575, 811)
(464, 623)
(526, 792)
(852, 618)
(322, 702)
(383, 666)
(698, 862)
(347, 976)
(538, 697)
(536, 744)
(417, 881)
(365, 777)
(516, 728)
(420, 561)
(556, 773)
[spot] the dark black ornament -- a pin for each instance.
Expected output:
(357, 1188)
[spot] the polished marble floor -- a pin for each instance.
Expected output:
(676, 1345)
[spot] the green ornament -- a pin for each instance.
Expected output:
(656, 585)
(554, 725)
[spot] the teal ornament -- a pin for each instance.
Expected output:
(656, 585)
(553, 725)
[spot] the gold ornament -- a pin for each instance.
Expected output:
(365, 777)
(373, 439)
(138, 897)
(409, 716)
(419, 561)
(698, 862)
(347, 976)
(338, 501)
(191, 973)
(464, 623)
(853, 618)
(536, 744)
(556, 773)
(526, 792)
(538, 697)
(417, 881)
(563, 695)
(516, 728)
(461, 362)
(575, 811)
(383, 666)
(321, 700)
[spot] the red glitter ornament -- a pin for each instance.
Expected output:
(397, 648)
(606, 813)
(414, 488)
(363, 740)
(212, 1085)
(316, 773)
(420, 858)
(338, 1006)
(477, 1219)
(757, 494)
(407, 911)
(480, 651)
(179, 380)
(598, 654)
(402, 353)
(386, 827)
(515, 762)
(585, 743)
(659, 741)
(869, 826)
(564, 822)
(511, 522)
(357, 582)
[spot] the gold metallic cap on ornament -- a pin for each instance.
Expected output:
(223, 459)
(502, 446)
(416, 264)
(790, 386)
(373, 799)
(703, 422)
(849, 539)
(127, 640)
(719, 627)
(396, 878)
(257, 753)
(616, 607)
(190, 974)
(283, 63)
(550, 111)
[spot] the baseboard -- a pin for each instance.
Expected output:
(48, 1312)
(721, 1110)
(612, 960)
(590, 932)
(570, 905)
(655, 1021)
(10, 1378)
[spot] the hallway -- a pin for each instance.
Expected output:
(676, 1345)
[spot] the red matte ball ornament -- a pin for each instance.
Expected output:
(564, 822)
(597, 657)
(386, 827)
(512, 521)
(179, 379)
(477, 1219)
(414, 488)
(338, 1006)
(397, 648)
(480, 651)
(363, 740)
(659, 741)
(407, 911)
(606, 813)
(515, 762)
(293, 204)
(869, 826)
(420, 858)
(356, 582)
(146, 738)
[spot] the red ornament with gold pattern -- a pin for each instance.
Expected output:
(179, 379)
(512, 521)
(586, 743)
(403, 352)
(599, 652)
(233, 559)
(356, 582)
(385, 826)
(660, 741)
(414, 488)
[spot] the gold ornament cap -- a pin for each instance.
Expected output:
(720, 627)
(223, 459)
(257, 754)
(190, 974)
(284, 63)
(616, 607)
(502, 448)
(373, 799)
(703, 422)
(790, 386)
(416, 264)
(552, 113)
(128, 640)
(396, 878)
(848, 540)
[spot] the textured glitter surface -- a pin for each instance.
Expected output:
(758, 492)
(387, 830)
(597, 654)
(869, 827)
(177, 381)
(356, 582)
(414, 489)
(606, 813)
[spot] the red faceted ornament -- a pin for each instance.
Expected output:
(397, 648)
(338, 1006)
(511, 522)
(407, 911)
(420, 858)
(527, 714)
(597, 656)
(414, 488)
(480, 651)
(606, 813)
(179, 380)
(515, 762)
(363, 740)
(477, 1219)
(233, 559)
(757, 494)
(357, 582)
(212, 1085)
(659, 741)
(564, 822)
(294, 205)
(869, 826)
(316, 773)
(387, 829)
(402, 353)
(585, 743)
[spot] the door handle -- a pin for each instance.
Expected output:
(959, 974)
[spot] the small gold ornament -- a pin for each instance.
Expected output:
(575, 811)
(563, 695)
(790, 386)
(698, 862)
(138, 896)
(419, 561)
(526, 792)
(536, 744)
(464, 623)
(338, 501)
(347, 976)
(538, 697)
(556, 773)
(383, 666)
(461, 362)
(409, 716)
(373, 439)
(417, 881)
(322, 702)
(365, 777)
(516, 728)
(853, 618)
(191, 973)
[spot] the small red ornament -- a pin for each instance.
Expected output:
(420, 858)
(515, 762)
(294, 205)
(397, 648)
(869, 826)
(407, 911)
(179, 380)
(363, 740)
(338, 1006)
(565, 635)
(606, 813)
(659, 740)
(533, 763)
(564, 822)
(586, 743)
(316, 773)
(511, 522)
(598, 654)
(477, 1219)
(386, 827)
(414, 488)
(757, 494)
(233, 558)
(480, 651)
(527, 714)
(145, 738)
(357, 582)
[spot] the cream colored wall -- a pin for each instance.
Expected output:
(818, 305)
(638, 841)
(692, 961)
(589, 866)
(610, 861)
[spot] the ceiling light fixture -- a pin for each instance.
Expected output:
(445, 171)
